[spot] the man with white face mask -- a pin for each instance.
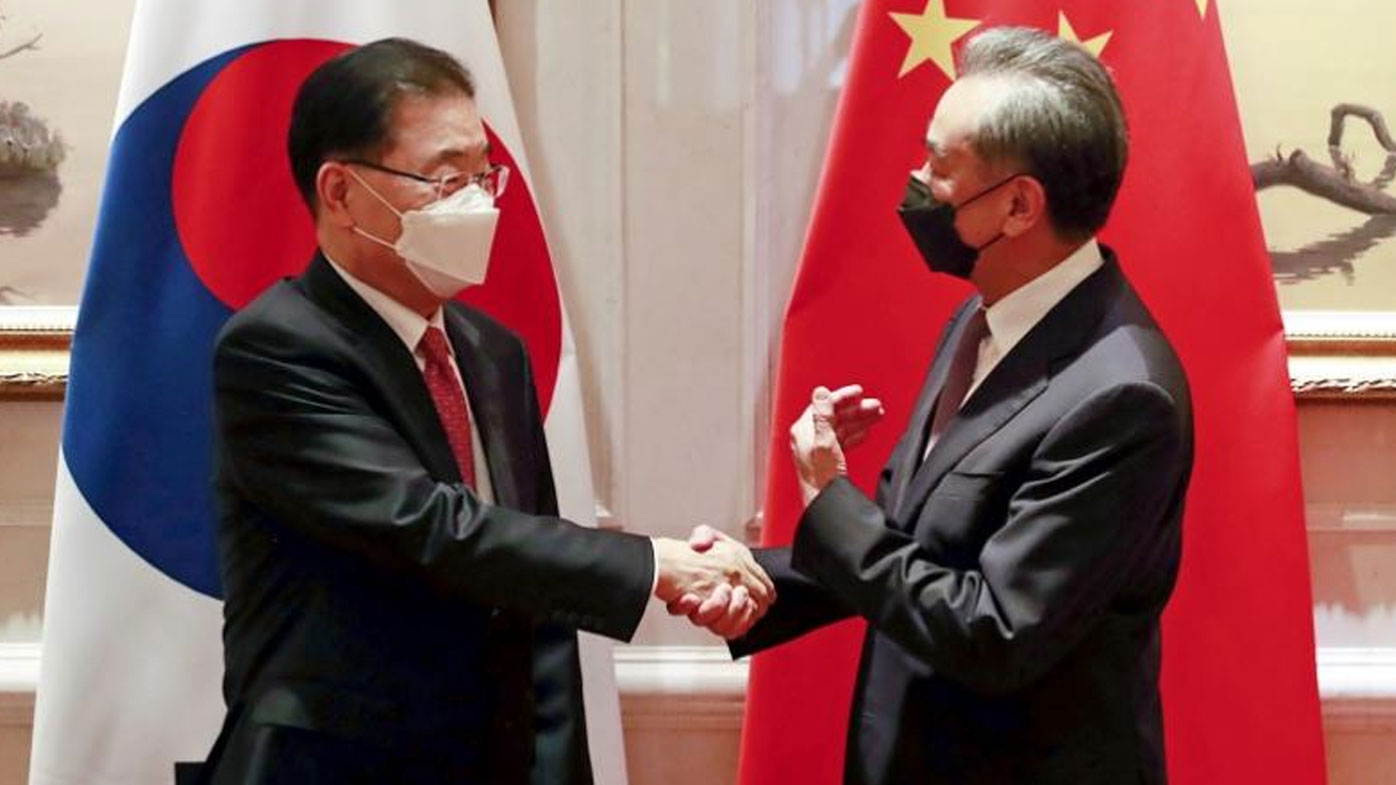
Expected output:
(446, 244)
(401, 599)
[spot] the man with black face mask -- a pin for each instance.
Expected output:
(1025, 533)
(931, 224)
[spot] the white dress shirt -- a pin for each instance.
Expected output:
(1016, 314)
(410, 326)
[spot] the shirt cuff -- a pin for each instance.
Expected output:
(654, 556)
(654, 584)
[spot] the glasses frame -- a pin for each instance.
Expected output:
(446, 183)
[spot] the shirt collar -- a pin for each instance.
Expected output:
(409, 325)
(1016, 314)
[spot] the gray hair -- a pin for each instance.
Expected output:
(1062, 122)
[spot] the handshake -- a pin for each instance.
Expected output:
(713, 579)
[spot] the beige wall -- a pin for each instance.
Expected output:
(28, 459)
(676, 145)
(689, 698)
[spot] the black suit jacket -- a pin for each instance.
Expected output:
(1012, 582)
(382, 624)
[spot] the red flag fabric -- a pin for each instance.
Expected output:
(1240, 694)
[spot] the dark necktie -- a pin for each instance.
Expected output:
(957, 382)
(449, 398)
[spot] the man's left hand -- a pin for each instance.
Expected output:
(832, 420)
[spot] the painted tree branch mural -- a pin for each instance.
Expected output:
(30, 153)
(1338, 184)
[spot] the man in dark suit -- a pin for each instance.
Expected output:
(401, 599)
(1025, 534)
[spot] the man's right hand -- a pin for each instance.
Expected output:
(719, 586)
(833, 422)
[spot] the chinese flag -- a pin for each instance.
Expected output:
(1240, 696)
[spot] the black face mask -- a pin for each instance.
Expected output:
(931, 224)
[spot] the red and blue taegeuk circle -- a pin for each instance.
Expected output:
(199, 215)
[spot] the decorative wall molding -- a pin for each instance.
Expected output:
(700, 687)
(1349, 330)
(1358, 687)
(680, 687)
(701, 670)
(38, 319)
(1339, 356)
(34, 345)
(19, 678)
(662, 684)
(33, 385)
(1343, 378)
(34, 366)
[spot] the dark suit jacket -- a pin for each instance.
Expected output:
(382, 624)
(1012, 582)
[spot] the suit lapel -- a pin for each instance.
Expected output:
(919, 424)
(485, 388)
(1017, 379)
(390, 364)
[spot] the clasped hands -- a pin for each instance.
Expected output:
(713, 579)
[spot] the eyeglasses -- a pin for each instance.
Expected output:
(492, 181)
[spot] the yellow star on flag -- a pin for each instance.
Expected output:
(932, 33)
(1094, 45)
(1202, 8)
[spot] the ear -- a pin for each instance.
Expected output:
(1028, 207)
(332, 193)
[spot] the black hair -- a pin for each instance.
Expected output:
(344, 108)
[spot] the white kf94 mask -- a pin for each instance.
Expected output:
(446, 244)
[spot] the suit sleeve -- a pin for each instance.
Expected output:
(300, 441)
(804, 605)
(1101, 486)
(560, 744)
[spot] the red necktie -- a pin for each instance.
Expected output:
(449, 398)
